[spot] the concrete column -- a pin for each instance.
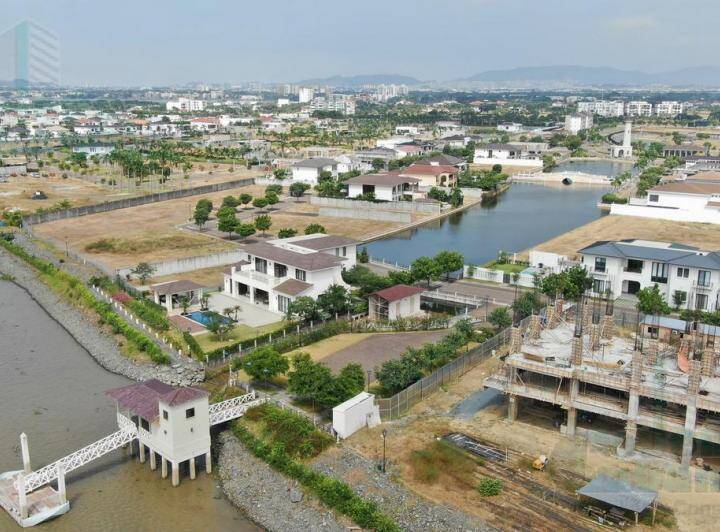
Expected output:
(25, 453)
(208, 463)
(571, 425)
(576, 351)
(175, 474)
(163, 467)
(61, 483)
(652, 352)
(141, 449)
(515, 340)
(708, 363)
(594, 337)
(550, 317)
(153, 464)
(512, 407)
(535, 327)
(192, 468)
(22, 496)
(630, 437)
(690, 418)
(608, 325)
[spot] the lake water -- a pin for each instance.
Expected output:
(52, 389)
(526, 215)
(611, 168)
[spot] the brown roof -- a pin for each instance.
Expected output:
(142, 398)
(429, 169)
(175, 287)
(381, 179)
(688, 187)
(324, 242)
(304, 261)
(398, 292)
(705, 176)
(292, 287)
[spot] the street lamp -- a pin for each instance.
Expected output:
(384, 438)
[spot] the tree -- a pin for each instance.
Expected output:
(204, 204)
(307, 377)
(143, 271)
(263, 223)
(304, 308)
(679, 298)
(571, 283)
(377, 164)
(438, 194)
(314, 228)
(449, 261)
(334, 300)
(329, 189)
(245, 198)
(277, 189)
(225, 211)
(526, 304)
(548, 162)
(219, 328)
(286, 233)
(260, 203)
(230, 201)
(228, 223)
(280, 173)
(398, 374)
(245, 230)
(297, 190)
(363, 257)
(456, 197)
(264, 363)
(184, 302)
(349, 382)
(271, 198)
(500, 318)
(425, 268)
(651, 301)
(497, 168)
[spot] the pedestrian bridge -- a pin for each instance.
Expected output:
(29, 497)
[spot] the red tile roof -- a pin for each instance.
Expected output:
(429, 169)
(398, 292)
(142, 398)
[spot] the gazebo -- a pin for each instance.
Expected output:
(170, 294)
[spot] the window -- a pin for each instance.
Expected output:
(599, 264)
(683, 272)
(260, 265)
(145, 424)
(344, 251)
(598, 286)
(280, 270)
(679, 298)
(300, 275)
(653, 198)
(659, 272)
(703, 278)
(701, 301)
(634, 266)
(654, 332)
(165, 414)
(190, 412)
(283, 303)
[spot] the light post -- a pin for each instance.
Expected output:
(67, 250)
(384, 438)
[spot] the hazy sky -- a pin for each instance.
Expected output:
(133, 42)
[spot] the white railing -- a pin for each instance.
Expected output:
(124, 422)
(233, 408)
(79, 458)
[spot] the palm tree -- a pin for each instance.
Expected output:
(236, 310)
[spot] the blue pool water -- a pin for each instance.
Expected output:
(205, 317)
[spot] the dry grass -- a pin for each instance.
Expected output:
(704, 236)
(325, 348)
(205, 277)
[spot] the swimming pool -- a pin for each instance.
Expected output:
(205, 317)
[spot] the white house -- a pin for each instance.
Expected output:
(395, 302)
(185, 105)
(309, 170)
(510, 127)
(386, 187)
(669, 109)
(159, 129)
(274, 273)
(506, 154)
(684, 274)
(94, 150)
(576, 122)
(392, 142)
(205, 124)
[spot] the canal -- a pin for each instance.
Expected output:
(526, 215)
(52, 389)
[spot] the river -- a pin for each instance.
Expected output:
(52, 389)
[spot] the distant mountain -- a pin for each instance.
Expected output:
(581, 75)
(367, 79)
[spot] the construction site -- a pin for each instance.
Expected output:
(632, 388)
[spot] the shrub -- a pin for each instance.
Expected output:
(151, 313)
(441, 457)
(489, 487)
(314, 228)
(193, 345)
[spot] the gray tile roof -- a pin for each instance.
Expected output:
(304, 261)
(324, 242)
(676, 254)
(316, 162)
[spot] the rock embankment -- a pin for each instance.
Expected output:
(267, 497)
(100, 345)
(408, 510)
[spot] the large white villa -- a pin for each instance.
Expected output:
(275, 272)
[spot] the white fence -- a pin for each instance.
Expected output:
(360, 213)
(498, 276)
(708, 216)
(404, 206)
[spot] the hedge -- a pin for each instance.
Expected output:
(193, 345)
(151, 313)
(332, 492)
(81, 295)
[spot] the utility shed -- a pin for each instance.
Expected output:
(355, 414)
(620, 494)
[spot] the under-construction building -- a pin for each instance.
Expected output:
(574, 358)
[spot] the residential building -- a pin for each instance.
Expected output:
(160, 129)
(602, 108)
(205, 124)
(510, 127)
(94, 150)
(638, 108)
(306, 94)
(506, 154)
(381, 153)
(578, 122)
(396, 302)
(185, 105)
(275, 272)
(669, 109)
(170, 294)
(337, 103)
(683, 273)
(443, 159)
(430, 175)
(309, 170)
(683, 150)
(386, 187)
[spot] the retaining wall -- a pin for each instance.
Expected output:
(189, 264)
(404, 206)
(75, 212)
(362, 214)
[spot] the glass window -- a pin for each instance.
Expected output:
(701, 301)
(683, 272)
(145, 424)
(300, 275)
(659, 272)
(599, 264)
(344, 251)
(703, 278)
(283, 303)
(165, 414)
(653, 198)
(190, 412)
(260, 265)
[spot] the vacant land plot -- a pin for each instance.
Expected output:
(17, 192)
(367, 349)
(206, 277)
(704, 236)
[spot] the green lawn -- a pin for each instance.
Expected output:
(240, 333)
(508, 268)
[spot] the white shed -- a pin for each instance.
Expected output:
(355, 414)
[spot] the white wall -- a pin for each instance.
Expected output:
(710, 216)
(306, 175)
(355, 414)
(173, 438)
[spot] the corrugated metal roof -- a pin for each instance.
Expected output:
(618, 493)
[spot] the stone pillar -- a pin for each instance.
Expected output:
(61, 483)
(22, 496)
(608, 327)
(630, 437)
(153, 464)
(691, 411)
(512, 407)
(572, 411)
(25, 453)
(175, 474)
(208, 463)
(163, 467)
(141, 451)
(576, 351)
(192, 468)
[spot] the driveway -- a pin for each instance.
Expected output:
(250, 314)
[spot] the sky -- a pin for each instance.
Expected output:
(171, 42)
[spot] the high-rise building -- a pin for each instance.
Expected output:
(305, 94)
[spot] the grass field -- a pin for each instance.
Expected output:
(704, 236)
(239, 334)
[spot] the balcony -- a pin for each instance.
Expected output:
(259, 277)
(702, 287)
(633, 269)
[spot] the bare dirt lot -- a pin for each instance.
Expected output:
(613, 227)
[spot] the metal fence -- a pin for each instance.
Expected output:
(396, 406)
